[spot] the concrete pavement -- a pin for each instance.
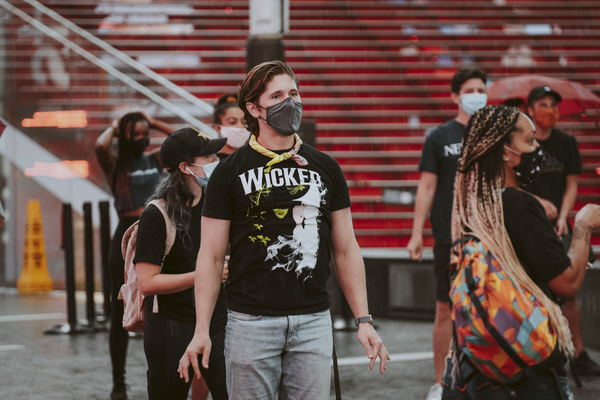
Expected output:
(37, 366)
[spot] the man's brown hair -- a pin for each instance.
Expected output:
(254, 86)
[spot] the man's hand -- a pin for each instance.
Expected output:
(200, 344)
(373, 346)
(561, 227)
(550, 208)
(415, 247)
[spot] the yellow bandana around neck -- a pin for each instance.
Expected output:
(277, 158)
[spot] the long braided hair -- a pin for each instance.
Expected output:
(478, 208)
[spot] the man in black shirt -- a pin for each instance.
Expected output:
(285, 208)
(556, 189)
(438, 166)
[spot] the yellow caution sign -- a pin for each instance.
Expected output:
(34, 275)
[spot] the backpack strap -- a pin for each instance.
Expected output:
(171, 230)
(171, 235)
(127, 236)
(461, 241)
(336, 372)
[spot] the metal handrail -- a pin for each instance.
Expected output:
(209, 131)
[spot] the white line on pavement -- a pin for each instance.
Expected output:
(11, 347)
(31, 317)
(424, 355)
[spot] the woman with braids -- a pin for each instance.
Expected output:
(229, 122)
(499, 154)
(190, 158)
(132, 177)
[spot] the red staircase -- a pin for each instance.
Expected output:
(373, 74)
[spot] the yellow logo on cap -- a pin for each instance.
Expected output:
(200, 134)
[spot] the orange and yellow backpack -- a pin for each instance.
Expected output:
(502, 329)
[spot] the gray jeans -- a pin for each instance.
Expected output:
(290, 355)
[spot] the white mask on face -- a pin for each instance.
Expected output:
(472, 102)
(208, 170)
(236, 137)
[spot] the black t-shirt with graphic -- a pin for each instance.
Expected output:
(150, 248)
(280, 228)
(561, 158)
(144, 175)
(441, 152)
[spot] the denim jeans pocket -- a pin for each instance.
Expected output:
(243, 316)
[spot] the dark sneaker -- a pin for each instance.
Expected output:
(119, 392)
(585, 366)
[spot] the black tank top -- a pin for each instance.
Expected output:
(143, 176)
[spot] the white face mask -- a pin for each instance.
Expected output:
(472, 102)
(236, 137)
(208, 170)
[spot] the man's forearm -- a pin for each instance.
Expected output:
(207, 285)
(350, 271)
(423, 204)
(568, 200)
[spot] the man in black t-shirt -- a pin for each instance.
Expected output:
(438, 166)
(556, 189)
(285, 208)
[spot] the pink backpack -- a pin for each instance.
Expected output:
(133, 300)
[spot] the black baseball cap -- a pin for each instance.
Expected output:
(542, 91)
(186, 143)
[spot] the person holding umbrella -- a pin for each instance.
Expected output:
(556, 189)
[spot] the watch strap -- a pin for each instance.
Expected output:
(366, 318)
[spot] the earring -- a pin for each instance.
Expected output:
(506, 159)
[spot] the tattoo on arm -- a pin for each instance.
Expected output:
(582, 231)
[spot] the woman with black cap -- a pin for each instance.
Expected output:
(132, 176)
(190, 158)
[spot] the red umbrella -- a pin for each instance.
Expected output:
(576, 98)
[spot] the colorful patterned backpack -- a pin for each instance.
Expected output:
(503, 335)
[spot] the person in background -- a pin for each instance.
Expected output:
(228, 121)
(190, 158)
(227, 98)
(132, 176)
(438, 165)
(556, 189)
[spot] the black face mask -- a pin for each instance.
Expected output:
(529, 167)
(138, 146)
(284, 117)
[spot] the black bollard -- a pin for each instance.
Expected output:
(71, 327)
(69, 264)
(89, 265)
(105, 245)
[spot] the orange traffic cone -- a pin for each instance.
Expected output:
(34, 274)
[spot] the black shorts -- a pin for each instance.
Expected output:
(441, 264)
